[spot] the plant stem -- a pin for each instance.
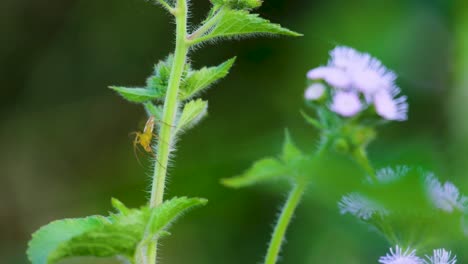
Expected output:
(166, 136)
(192, 38)
(361, 157)
(283, 222)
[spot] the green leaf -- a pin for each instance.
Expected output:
(156, 85)
(233, 23)
(49, 237)
(196, 81)
(193, 112)
(314, 122)
(154, 110)
(120, 234)
(162, 72)
(290, 151)
(137, 95)
(239, 4)
(261, 171)
(163, 216)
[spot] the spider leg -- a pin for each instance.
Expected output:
(136, 141)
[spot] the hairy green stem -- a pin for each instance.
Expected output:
(166, 135)
(210, 23)
(283, 223)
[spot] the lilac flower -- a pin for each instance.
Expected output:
(389, 174)
(314, 91)
(360, 206)
(446, 197)
(346, 104)
(355, 74)
(389, 107)
(441, 256)
(398, 256)
(333, 76)
(368, 74)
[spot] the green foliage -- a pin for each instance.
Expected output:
(231, 23)
(266, 169)
(116, 235)
(289, 165)
(196, 81)
(239, 4)
(154, 110)
(49, 237)
(137, 95)
(290, 151)
(312, 121)
(193, 112)
(156, 85)
(163, 216)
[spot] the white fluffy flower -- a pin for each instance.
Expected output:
(441, 256)
(332, 75)
(360, 206)
(398, 256)
(314, 91)
(390, 107)
(446, 197)
(367, 74)
(389, 174)
(361, 74)
(346, 104)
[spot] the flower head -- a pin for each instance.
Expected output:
(389, 107)
(361, 78)
(367, 74)
(441, 256)
(389, 174)
(314, 91)
(346, 104)
(360, 206)
(445, 196)
(398, 256)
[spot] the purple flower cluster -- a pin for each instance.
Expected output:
(358, 81)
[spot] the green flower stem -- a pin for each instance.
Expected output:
(283, 222)
(361, 157)
(166, 136)
(205, 27)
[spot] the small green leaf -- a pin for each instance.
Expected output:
(196, 81)
(312, 120)
(290, 151)
(239, 4)
(160, 78)
(163, 216)
(154, 110)
(156, 85)
(121, 208)
(263, 170)
(137, 95)
(193, 112)
(118, 236)
(49, 237)
(233, 23)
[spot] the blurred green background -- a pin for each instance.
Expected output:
(65, 149)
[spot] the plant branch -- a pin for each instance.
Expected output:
(283, 223)
(209, 24)
(166, 133)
